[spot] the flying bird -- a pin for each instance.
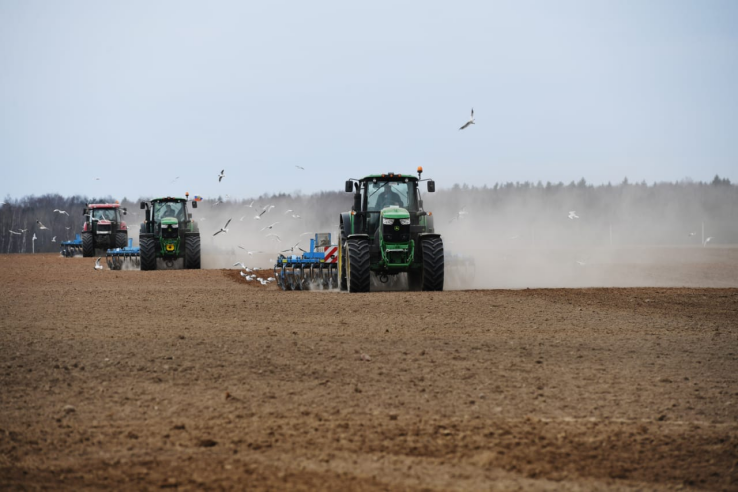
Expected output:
(269, 226)
(288, 211)
(470, 122)
(708, 240)
(294, 216)
(34, 237)
(240, 263)
(41, 226)
(573, 215)
(61, 211)
(53, 239)
(692, 234)
(221, 176)
(97, 179)
(13, 232)
(175, 179)
(98, 266)
(300, 167)
(292, 249)
(223, 229)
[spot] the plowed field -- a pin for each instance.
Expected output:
(197, 380)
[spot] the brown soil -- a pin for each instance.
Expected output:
(198, 380)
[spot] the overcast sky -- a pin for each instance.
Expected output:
(139, 93)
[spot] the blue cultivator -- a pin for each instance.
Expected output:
(71, 248)
(118, 257)
(317, 268)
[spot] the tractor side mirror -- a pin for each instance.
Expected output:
(349, 186)
(143, 205)
(125, 211)
(194, 204)
(431, 186)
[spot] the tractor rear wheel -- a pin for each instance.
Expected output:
(433, 264)
(121, 239)
(88, 245)
(357, 266)
(148, 253)
(192, 253)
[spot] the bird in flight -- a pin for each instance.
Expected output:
(241, 264)
(288, 211)
(470, 122)
(292, 249)
(573, 215)
(300, 167)
(98, 266)
(692, 234)
(221, 176)
(53, 239)
(277, 237)
(41, 226)
(269, 226)
(708, 240)
(295, 216)
(61, 211)
(13, 232)
(97, 179)
(175, 179)
(224, 228)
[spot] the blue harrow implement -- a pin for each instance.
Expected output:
(71, 248)
(118, 257)
(317, 268)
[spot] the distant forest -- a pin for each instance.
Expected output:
(660, 213)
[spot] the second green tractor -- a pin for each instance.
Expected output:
(388, 233)
(169, 233)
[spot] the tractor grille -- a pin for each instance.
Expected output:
(396, 232)
(169, 232)
(104, 228)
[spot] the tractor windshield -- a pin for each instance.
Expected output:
(382, 194)
(168, 209)
(104, 214)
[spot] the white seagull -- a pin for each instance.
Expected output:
(573, 215)
(241, 264)
(53, 239)
(288, 211)
(470, 122)
(61, 211)
(294, 216)
(13, 232)
(41, 226)
(223, 229)
(98, 266)
(269, 226)
(221, 176)
(708, 240)
(300, 167)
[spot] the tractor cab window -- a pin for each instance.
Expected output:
(104, 214)
(384, 194)
(168, 209)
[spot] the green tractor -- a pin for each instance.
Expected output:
(388, 233)
(168, 232)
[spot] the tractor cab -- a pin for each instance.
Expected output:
(167, 216)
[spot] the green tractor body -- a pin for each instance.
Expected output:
(388, 233)
(169, 233)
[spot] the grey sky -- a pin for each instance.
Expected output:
(140, 92)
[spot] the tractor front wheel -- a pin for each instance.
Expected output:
(148, 253)
(192, 253)
(88, 245)
(357, 267)
(121, 239)
(433, 264)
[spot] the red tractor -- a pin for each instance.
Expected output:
(103, 228)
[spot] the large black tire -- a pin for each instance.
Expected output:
(433, 266)
(121, 239)
(148, 253)
(357, 266)
(88, 245)
(342, 265)
(192, 252)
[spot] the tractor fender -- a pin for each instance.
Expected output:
(346, 224)
(145, 234)
(364, 237)
(428, 235)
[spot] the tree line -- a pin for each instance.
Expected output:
(649, 214)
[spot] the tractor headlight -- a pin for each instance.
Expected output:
(388, 221)
(405, 221)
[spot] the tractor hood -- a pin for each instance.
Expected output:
(395, 213)
(169, 221)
